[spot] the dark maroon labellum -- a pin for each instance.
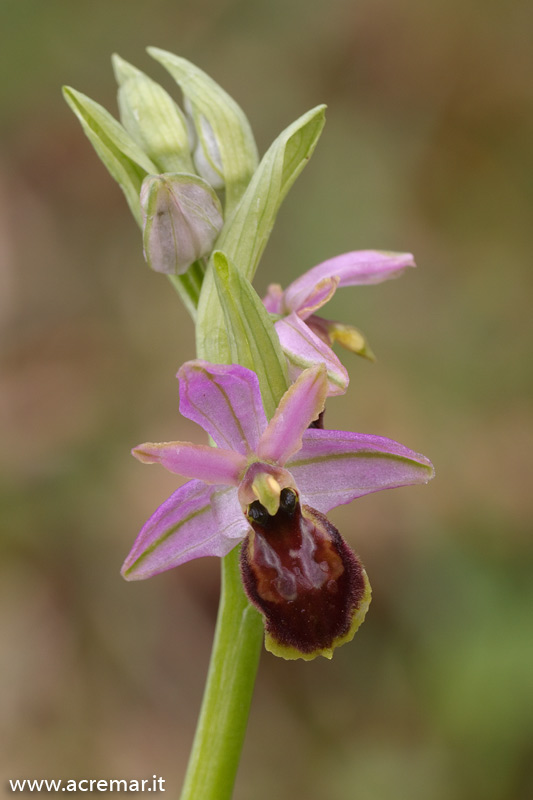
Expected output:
(318, 422)
(299, 572)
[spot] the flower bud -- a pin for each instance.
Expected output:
(182, 218)
(204, 146)
(207, 159)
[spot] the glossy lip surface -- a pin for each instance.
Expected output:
(298, 571)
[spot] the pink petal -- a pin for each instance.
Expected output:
(209, 464)
(357, 268)
(197, 520)
(225, 401)
(307, 300)
(303, 348)
(299, 406)
(273, 300)
(335, 467)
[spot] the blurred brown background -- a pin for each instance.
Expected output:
(426, 148)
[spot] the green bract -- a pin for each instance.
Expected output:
(250, 338)
(153, 119)
(127, 162)
(245, 235)
(122, 156)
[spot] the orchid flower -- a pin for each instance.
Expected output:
(307, 338)
(269, 485)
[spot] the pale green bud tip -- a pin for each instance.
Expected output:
(182, 218)
(123, 71)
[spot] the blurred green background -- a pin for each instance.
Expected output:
(427, 148)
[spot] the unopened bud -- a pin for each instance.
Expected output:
(205, 149)
(207, 158)
(182, 218)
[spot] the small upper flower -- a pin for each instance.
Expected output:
(182, 217)
(271, 483)
(307, 338)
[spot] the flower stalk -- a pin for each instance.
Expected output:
(221, 727)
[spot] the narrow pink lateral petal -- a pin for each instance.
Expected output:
(306, 301)
(335, 467)
(197, 520)
(209, 464)
(225, 401)
(299, 406)
(303, 348)
(273, 300)
(357, 268)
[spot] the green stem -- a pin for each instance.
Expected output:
(221, 727)
(189, 285)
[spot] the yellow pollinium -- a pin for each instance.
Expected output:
(351, 338)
